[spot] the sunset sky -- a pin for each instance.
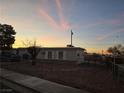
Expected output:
(96, 24)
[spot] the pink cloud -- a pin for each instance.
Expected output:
(121, 14)
(63, 22)
(99, 38)
(65, 25)
(54, 25)
(114, 21)
(49, 19)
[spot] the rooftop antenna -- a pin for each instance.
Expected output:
(71, 36)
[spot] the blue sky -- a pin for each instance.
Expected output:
(96, 24)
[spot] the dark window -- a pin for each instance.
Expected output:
(60, 55)
(78, 54)
(43, 53)
(49, 55)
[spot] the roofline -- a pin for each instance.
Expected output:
(54, 48)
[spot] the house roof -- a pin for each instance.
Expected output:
(68, 48)
(62, 48)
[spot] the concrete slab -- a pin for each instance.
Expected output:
(13, 76)
(38, 84)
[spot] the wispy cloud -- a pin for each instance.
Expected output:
(108, 35)
(63, 21)
(62, 26)
(119, 20)
(49, 19)
(114, 21)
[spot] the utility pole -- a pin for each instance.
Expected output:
(115, 67)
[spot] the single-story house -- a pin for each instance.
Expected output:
(62, 53)
(56, 53)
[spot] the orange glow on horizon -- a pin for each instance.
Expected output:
(47, 42)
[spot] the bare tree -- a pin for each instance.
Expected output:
(33, 49)
(117, 49)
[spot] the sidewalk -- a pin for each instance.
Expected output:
(37, 84)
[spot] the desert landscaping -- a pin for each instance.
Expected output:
(95, 78)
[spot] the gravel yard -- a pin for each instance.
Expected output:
(93, 78)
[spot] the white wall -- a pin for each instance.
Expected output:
(68, 54)
(80, 58)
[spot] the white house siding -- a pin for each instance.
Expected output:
(41, 55)
(53, 54)
(68, 53)
(80, 57)
(64, 57)
(71, 54)
(56, 54)
(46, 53)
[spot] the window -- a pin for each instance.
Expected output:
(78, 55)
(43, 53)
(60, 55)
(49, 55)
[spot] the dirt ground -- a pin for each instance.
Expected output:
(91, 77)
